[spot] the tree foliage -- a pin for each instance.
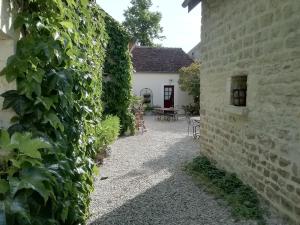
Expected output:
(46, 167)
(142, 24)
(189, 80)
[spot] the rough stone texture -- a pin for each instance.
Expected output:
(8, 39)
(260, 39)
(146, 185)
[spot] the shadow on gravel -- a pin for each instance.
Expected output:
(166, 126)
(179, 153)
(165, 205)
(174, 201)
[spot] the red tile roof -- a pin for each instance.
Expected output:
(159, 59)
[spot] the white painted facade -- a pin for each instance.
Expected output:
(156, 82)
(8, 39)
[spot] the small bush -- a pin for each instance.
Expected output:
(192, 109)
(107, 133)
(242, 198)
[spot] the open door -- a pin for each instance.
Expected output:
(168, 96)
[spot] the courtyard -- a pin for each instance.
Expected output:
(142, 182)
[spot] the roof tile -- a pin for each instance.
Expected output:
(159, 59)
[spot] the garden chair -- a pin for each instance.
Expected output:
(196, 129)
(158, 114)
(188, 120)
(139, 121)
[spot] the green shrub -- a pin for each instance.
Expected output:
(242, 198)
(108, 132)
(117, 94)
(192, 109)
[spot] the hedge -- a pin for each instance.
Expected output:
(117, 94)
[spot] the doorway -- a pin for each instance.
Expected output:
(168, 96)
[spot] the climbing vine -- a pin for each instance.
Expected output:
(58, 71)
(118, 69)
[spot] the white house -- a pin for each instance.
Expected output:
(156, 76)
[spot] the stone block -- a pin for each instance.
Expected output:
(296, 179)
(260, 186)
(283, 173)
(266, 20)
(290, 188)
(284, 162)
(272, 195)
(286, 204)
(297, 211)
(288, 11)
(273, 157)
(275, 186)
(293, 41)
(298, 191)
(274, 177)
(266, 173)
(261, 36)
(266, 141)
(295, 170)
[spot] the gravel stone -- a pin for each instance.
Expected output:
(145, 183)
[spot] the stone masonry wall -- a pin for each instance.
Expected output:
(260, 39)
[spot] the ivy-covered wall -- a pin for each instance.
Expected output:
(46, 166)
(117, 93)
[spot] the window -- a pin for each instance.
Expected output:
(238, 91)
(147, 95)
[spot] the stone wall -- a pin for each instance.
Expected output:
(8, 38)
(260, 142)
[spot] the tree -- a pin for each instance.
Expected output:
(142, 24)
(189, 80)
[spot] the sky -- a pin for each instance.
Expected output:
(182, 29)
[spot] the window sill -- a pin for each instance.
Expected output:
(241, 111)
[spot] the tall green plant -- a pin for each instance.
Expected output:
(189, 80)
(58, 71)
(118, 69)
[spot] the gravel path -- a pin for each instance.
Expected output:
(146, 184)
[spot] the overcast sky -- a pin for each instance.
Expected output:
(182, 29)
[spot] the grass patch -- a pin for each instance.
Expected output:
(242, 199)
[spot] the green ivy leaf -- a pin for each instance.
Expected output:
(45, 101)
(38, 75)
(31, 178)
(4, 138)
(53, 120)
(71, 2)
(4, 187)
(67, 24)
(84, 2)
(6, 148)
(19, 103)
(18, 207)
(28, 146)
(28, 87)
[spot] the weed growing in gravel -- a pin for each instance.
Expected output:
(242, 198)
